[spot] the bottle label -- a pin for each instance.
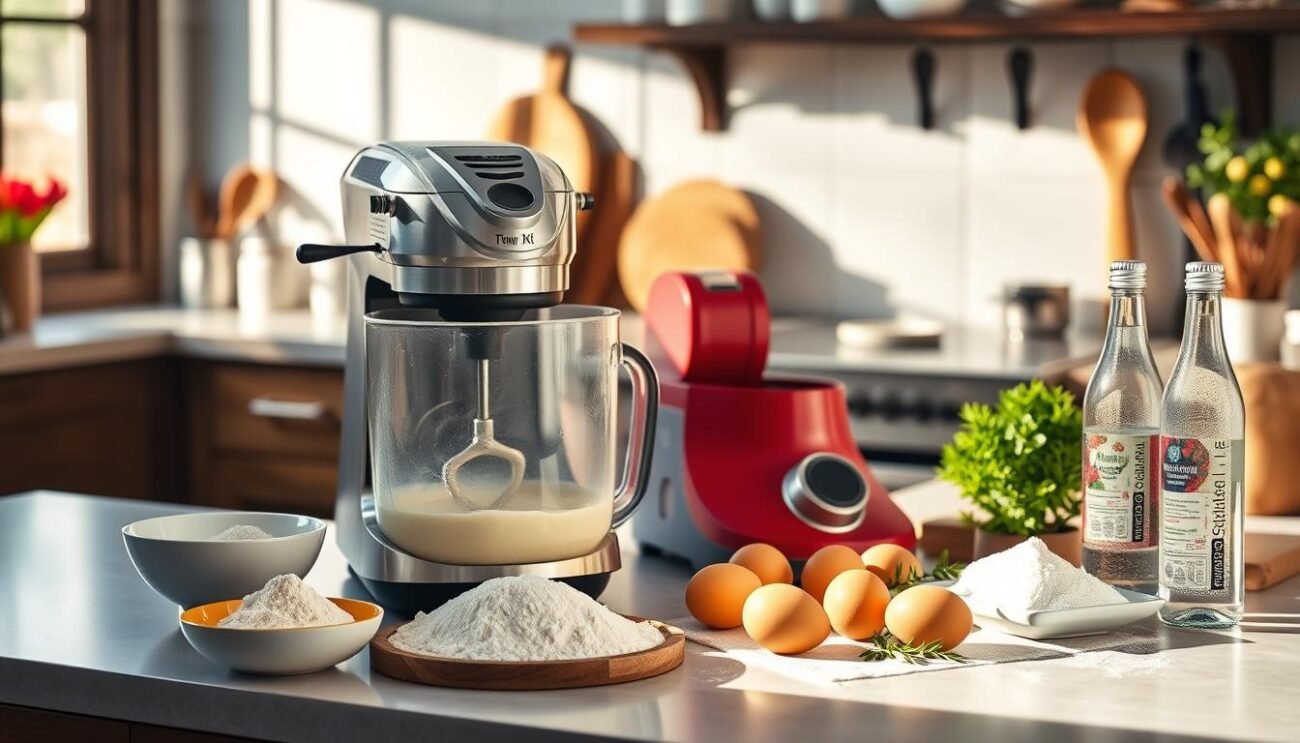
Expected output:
(1118, 492)
(1196, 506)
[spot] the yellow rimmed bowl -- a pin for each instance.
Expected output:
(178, 558)
(279, 652)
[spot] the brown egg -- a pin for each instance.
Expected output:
(891, 563)
(765, 561)
(855, 603)
(785, 619)
(716, 595)
(824, 565)
(924, 614)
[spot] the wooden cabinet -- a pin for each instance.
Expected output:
(110, 429)
(264, 437)
(27, 725)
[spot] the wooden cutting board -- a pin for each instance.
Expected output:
(593, 276)
(1270, 559)
(510, 675)
(548, 122)
(695, 225)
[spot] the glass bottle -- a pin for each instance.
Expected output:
(1121, 426)
(1202, 457)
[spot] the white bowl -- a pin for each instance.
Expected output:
(908, 9)
(280, 652)
(178, 558)
(1050, 623)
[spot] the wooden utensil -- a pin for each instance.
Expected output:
(1113, 118)
(1179, 200)
(511, 675)
(594, 273)
(1279, 255)
(548, 122)
(695, 225)
(246, 195)
(1221, 217)
(1270, 559)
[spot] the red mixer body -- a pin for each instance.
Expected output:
(731, 440)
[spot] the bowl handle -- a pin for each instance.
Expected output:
(640, 444)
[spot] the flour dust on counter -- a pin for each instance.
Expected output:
(524, 618)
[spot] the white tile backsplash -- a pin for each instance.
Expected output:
(866, 214)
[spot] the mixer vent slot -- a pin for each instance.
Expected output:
(484, 166)
(378, 229)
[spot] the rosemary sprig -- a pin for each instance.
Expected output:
(886, 646)
(944, 569)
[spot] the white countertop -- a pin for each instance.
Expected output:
(80, 632)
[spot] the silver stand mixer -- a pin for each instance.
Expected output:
(477, 233)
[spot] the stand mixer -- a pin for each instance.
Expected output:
(478, 413)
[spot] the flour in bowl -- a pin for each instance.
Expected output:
(1030, 577)
(240, 532)
(285, 602)
(526, 618)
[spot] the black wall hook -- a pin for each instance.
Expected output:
(923, 77)
(1020, 65)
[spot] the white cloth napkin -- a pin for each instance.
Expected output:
(836, 660)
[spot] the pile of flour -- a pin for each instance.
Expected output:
(1031, 577)
(525, 618)
(285, 602)
(240, 532)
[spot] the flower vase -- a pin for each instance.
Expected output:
(20, 284)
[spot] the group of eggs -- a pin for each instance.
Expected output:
(839, 589)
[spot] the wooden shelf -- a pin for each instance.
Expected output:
(1245, 35)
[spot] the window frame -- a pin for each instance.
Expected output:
(120, 265)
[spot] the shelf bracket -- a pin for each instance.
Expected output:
(1020, 65)
(707, 66)
(1250, 61)
(923, 76)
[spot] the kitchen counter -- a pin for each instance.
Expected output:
(291, 337)
(80, 632)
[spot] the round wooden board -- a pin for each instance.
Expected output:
(522, 676)
(695, 225)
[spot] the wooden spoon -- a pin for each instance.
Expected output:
(246, 195)
(1179, 200)
(1221, 216)
(1113, 118)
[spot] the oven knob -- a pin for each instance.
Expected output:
(860, 405)
(947, 410)
(827, 492)
(891, 406)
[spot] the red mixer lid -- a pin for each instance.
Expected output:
(711, 326)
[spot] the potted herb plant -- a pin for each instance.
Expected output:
(1251, 225)
(1019, 465)
(22, 209)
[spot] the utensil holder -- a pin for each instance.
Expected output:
(20, 286)
(1253, 328)
(207, 273)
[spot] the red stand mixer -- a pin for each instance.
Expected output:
(741, 458)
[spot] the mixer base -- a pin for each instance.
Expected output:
(408, 598)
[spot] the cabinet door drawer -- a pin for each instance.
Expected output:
(259, 484)
(276, 410)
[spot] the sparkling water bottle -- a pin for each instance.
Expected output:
(1121, 426)
(1202, 458)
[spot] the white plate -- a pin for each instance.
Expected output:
(1050, 623)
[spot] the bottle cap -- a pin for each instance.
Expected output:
(1204, 276)
(1128, 275)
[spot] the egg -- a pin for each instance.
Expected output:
(855, 603)
(716, 595)
(765, 561)
(785, 619)
(824, 565)
(891, 563)
(923, 614)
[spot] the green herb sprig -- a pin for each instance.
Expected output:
(944, 569)
(885, 647)
(1019, 463)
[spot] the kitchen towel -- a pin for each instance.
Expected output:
(836, 660)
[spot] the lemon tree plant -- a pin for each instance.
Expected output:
(1261, 178)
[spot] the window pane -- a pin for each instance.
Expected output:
(44, 116)
(43, 8)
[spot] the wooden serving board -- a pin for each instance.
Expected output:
(520, 676)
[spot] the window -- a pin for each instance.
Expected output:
(78, 102)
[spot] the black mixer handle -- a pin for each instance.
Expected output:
(312, 253)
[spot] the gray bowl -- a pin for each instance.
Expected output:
(178, 558)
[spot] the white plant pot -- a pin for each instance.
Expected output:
(1253, 328)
